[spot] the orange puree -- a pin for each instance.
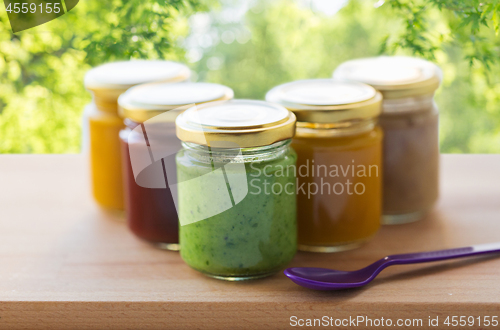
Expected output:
(105, 158)
(106, 82)
(346, 208)
(339, 150)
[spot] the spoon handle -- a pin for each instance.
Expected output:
(470, 251)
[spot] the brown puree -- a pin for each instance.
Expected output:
(411, 161)
(410, 122)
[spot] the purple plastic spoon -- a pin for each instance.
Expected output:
(329, 279)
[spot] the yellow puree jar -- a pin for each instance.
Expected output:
(411, 126)
(339, 149)
(106, 83)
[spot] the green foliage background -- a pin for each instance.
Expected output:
(41, 70)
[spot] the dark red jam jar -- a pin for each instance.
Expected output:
(149, 145)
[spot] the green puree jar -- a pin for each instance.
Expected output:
(237, 188)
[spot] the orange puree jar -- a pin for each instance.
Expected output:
(339, 149)
(106, 83)
(410, 121)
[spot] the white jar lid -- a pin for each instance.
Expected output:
(143, 102)
(394, 76)
(124, 74)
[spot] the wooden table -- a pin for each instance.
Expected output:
(65, 264)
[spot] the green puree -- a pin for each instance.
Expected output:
(255, 237)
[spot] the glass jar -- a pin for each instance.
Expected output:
(107, 82)
(236, 188)
(149, 145)
(411, 129)
(339, 148)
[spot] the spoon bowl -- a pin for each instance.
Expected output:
(314, 278)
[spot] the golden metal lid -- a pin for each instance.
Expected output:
(146, 101)
(394, 76)
(327, 100)
(109, 80)
(241, 123)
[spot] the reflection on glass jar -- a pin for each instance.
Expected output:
(236, 190)
(339, 150)
(149, 145)
(410, 124)
(107, 82)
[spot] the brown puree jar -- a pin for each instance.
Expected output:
(149, 145)
(410, 124)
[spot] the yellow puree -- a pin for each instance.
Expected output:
(327, 220)
(105, 159)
